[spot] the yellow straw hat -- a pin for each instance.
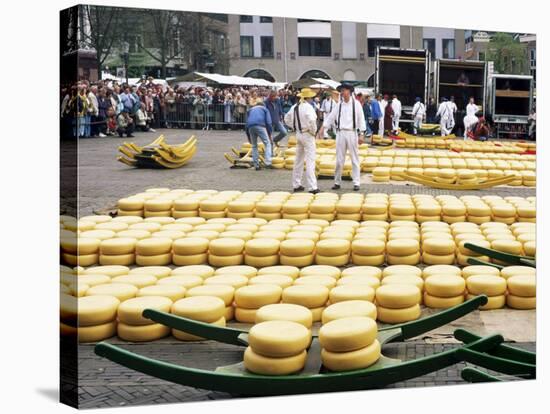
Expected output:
(306, 93)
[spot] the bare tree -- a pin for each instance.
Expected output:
(99, 30)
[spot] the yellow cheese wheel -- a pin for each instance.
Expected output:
(119, 259)
(245, 315)
(521, 302)
(153, 246)
(130, 311)
(494, 302)
(489, 285)
(347, 309)
(190, 246)
(97, 234)
(90, 279)
(351, 292)
(363, 271)
(441, 270)
(267, 279)
(317, 313)
(522, 285)
(412, 259)
(156, 260)
(376, 260)
(256, 296)
(508, 246)
(297, 261)
(479, 270)
(184, 336)
(322, 280)
(122, 291)
(201, 308)
(439, 246)
(359, 279)
(226, 247)
(113, 226)
(262, 247)
(348, 334)
(341, 260)
(332, 247)
(445, 285)
(143, 333)
(185, 281)
(189, 260)
(80, 245)
(158, 271)
(94, 310)
(229, 314)
(279, 338)
(285, 312)
(437, 302)
(172, 292)
(221, 261)
(291, 271)
(390, 315)
(137, 280)
(310, 296)
(398, 296)
(368, 247)
(404, 279)
(134, 234)
(331, 271)
(347, 361)
(203, 271)
(510, 271)
(242, 270)
(84, 260)
(263, 365)
(111, 271)
(234, 280)
(432, 259)
(77, 290)
(224, 292)
(97, 333)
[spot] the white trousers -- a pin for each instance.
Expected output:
(395, 122)
(469, 121)
(445, 126)
(417, 123)
(347, 141)
(305, 151)
(381, 127)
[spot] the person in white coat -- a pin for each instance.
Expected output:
(454, 110)
(445, 115)
(418, 111)
(396, 106)
(383, 104)
(303, 119)
(326, 108)
(348, 117)
(470, 119)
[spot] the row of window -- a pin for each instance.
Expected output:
(307, 46)
(448, 46)
(248, 19)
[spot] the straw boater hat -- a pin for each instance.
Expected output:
(306, 93)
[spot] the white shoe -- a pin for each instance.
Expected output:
(102, 135)
(152, 130)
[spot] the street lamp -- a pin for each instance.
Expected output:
(125, 54)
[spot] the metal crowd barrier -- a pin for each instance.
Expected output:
(203, 116)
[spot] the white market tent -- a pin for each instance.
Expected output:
(328, 82)
(237, 80)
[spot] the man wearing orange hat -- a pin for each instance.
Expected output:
(303, 119)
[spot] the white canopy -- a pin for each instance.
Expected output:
(328, 82)
(236, 80)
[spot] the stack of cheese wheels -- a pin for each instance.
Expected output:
(453, 210)
(527, 213)
(213, 207)
(466, 176)
(441, 270)
(314, 297)
(522, 291)
(131, 206)
(262, 252)
(375, 208)
(248, 299)
(297, 208)
(269, 209)
(82, 251)
(158, 207)
(323, 208)
(241, 208)
(297, 252)
(446, 175)
(404, 251)
(478, 212)
(285, 312)
(117, 251)
(207, 309)
(463, 254)
(134, 327)
(507, 246)
(227, 251)
(94, 316)
(332, 252)
(529, 178)
(186, 206)
(504, 212)
(224, 292)
(427, 209)
(493, 286)
(381, 174)
(444, 290)
(349, 207)
(155, 251)
(277, 347)
(349, 308)
(401, 208)
(438, 250)
(365, 281)
(349, 343)
(398, 303)
(190, 251)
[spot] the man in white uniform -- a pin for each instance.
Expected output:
(302, 117)
(445, 117)
(383, 104)
(326, 108)
(396, 106)
(418, 112)
(454, 110)
(349, 119)
(470, 119)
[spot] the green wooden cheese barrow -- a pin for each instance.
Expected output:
(235, 379)
(506, 258)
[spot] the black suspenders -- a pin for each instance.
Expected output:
(297, 118)
(340, 113)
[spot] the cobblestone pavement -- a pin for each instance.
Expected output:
(106, 384)
(103, 180)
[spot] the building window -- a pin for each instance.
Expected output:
(312, 20)
(314, 46)
(247, 46)
(134, 42)
(266, 19)
(533, 57)
(260, 74)
(429, 45)
(374, 43)
(267, 46)
(315, 73)
(481, 56)
(448, 48)
(245, 19)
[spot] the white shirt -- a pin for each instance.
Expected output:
(383, 103)
(471, 109)
(327, 105)
(452, 107)
(444, 110)
(307, 115)
(419, 109)
(396, 106)
(346, 115)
